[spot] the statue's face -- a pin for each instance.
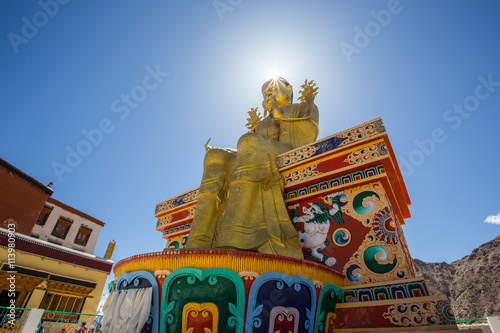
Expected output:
(280, 91)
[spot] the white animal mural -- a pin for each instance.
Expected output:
(317, 219)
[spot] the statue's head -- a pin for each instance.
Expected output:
(278, 87)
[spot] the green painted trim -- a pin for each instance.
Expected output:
(320, 315)
(202, 274)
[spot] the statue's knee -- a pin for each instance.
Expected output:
(251, 139)
(216, 156)
(259, 142)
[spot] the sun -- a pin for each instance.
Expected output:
(275, 73)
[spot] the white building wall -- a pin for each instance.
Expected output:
(44, 232)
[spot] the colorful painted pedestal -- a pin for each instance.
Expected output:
(358, 274)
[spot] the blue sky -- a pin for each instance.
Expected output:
(138, 87)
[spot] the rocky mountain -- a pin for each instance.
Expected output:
(471, 283)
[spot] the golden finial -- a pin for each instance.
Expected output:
(110, 249)
(253, 120)
(207, 147)
(308, 92)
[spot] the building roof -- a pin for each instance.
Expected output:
(49, 250)
(74, 210)
(25, 176)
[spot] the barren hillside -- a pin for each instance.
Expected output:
(472, 283)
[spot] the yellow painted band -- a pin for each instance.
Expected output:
(237, 261)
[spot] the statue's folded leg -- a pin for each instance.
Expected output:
(256, 218)
(217, 168)
(283, 238)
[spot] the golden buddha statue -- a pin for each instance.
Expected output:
(240, 200)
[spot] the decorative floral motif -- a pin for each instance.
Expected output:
(361, 132)
(363, 200)
(379, 126)
(177, 242)
(164, 206)
(191, 211)
(283, 319)
(413, 314)
(341, 237)
(375, 261)
(445, 312)
(384, 227)
(318, 284)
(200, 315)
(164, 220)
(247, 275)
(296, 175)
(190, 196)
(367, 153)
(161, 273)
(296, 155)
(177, 201)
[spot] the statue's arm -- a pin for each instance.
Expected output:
(277, 113)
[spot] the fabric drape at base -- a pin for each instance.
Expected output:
(127, 310)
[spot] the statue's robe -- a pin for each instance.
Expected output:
(240, 201)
